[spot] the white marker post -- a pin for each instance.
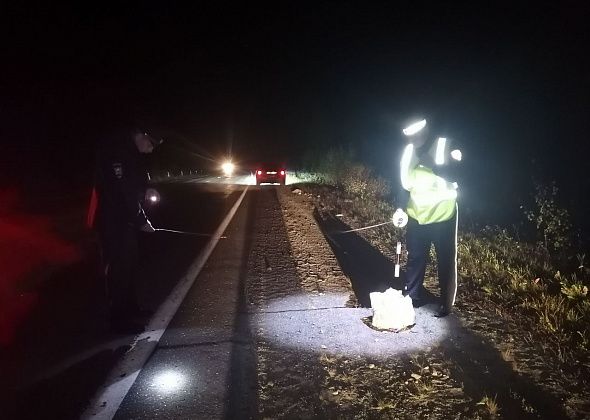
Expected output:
(399, 219)
(398, 251)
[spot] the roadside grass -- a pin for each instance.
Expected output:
(385, 404)
(491, 406)
(518, 277)
(520, 282)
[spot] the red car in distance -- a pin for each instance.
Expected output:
(270, 173)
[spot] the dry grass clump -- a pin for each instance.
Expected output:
(491, 406)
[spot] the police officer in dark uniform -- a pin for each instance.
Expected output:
(120, 186)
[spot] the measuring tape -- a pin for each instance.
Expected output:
(182, 232)
(398, 222)
(363, 228)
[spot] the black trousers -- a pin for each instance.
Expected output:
(418, 240)
(120, 263)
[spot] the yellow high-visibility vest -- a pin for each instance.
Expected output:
(432, 198)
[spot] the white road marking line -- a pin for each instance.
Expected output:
(109, 397)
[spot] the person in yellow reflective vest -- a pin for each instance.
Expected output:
(426, 172)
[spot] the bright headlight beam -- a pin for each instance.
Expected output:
(227, 168)
(414, 128)
(457, 155)
(152, 195)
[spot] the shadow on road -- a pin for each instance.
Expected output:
(290, 380)
(479, 366)
(368, 270)
(243, 398)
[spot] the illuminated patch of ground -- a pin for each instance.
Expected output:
(323, 324)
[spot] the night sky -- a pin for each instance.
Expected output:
(511, 85)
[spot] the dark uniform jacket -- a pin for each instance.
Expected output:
(120, 185)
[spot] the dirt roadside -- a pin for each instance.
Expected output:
(318, 358)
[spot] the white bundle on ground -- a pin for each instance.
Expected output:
(392, 310)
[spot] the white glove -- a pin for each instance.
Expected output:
(148, 228)
(399, 218)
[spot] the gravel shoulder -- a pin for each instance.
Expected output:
(317, 355)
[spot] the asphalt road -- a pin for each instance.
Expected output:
(65, 351)
(203, 366)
